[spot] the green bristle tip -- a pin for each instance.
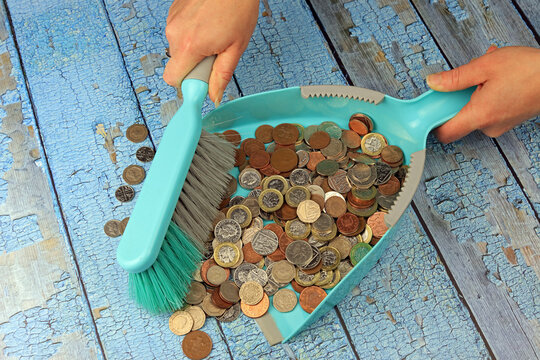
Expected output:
(163, 286)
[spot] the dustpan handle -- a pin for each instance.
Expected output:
(203, 69)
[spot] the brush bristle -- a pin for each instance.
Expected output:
(163, 286)
(204, 188)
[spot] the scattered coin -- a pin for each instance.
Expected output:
(113, 228)
(145, 154)
(216, 275)
(228, 230)
(136, 133)
(283, 272)
(284, 300)
(180, 323)
(210, 308)
(308, 211)
(197, 345)
(299, 252)
(198, 315)
(134, 174)
(123, 224)
(124, 193)
(265, 242)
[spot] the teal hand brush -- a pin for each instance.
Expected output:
(186, 182)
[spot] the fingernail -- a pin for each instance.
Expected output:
(434, 80)
(218, 101)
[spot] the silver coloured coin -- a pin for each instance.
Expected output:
(228, 230)
(230, 314)
(249, 178)
(300, 177)
(236, 200)
(384, 173)
(271, 287)
(241, 273)
(258, 275)
(299, 252)
(265, 242)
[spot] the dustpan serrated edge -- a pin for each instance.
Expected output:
(410, 184)
(352, 92)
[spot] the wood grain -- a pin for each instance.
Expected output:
(43, 310)
(531, 11)
(461, 217)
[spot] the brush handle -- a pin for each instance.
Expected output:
(144, 234)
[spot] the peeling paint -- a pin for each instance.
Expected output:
(109, 136)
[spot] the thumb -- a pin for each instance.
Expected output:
(179, 66)
(222, 72)
(460, 125)
(459, 78)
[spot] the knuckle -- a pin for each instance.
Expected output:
(455, 76)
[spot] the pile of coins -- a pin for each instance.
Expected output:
(132, 175)
(322, 192)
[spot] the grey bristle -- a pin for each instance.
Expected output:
(204, 188)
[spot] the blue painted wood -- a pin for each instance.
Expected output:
(62, 324)
(78, 80)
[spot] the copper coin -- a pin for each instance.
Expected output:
(359, 203)
(275, 228)
(134, 174)
(259, 159)
(197, 345)
(136, 133)
(347, 223)
(296, 287)
(145, 154)
(232, 136)
(335, 206)
(123, 224)
(258, 310)
(318, 199)
(250, 255)
(285, 134)
(284, 159)
(219, 302)
(284, 241)
(391, 154)
(319, 140)
(277, 255)
(239, 157)
(377, 224)
(311, 297)
(124, 193)
(286, 212)
(314, 159)
(391, 187)
(264, 133)
(351, 139)
(250, 145)
(364, 119)
(358, 127)
(269, 170)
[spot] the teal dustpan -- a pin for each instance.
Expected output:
(405, 123)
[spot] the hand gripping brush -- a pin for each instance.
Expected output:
(405, 123)
(186, 182)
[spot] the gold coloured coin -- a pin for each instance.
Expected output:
(330, 257)
(306, 280)
(180, 323)
(367, 234)
(209, 308)
(297, 229)
(226, 254)
(277, 182)
(241, 214)
(308, 211)
(134, 174)
(198, 315)
(372, 144)
(283, 272)
(326, 277)
(335, 280)
(270, 200)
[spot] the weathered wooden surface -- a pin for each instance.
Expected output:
(406, 307)
(43, 311)
(462, 207)
(531, 11)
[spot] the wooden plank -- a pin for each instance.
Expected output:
(476, 175)
(43, 310)
(243, 331)
(531, 11)
(84, 99)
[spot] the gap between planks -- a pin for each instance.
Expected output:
(55, 193)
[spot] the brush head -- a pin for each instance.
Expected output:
(164, 285)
